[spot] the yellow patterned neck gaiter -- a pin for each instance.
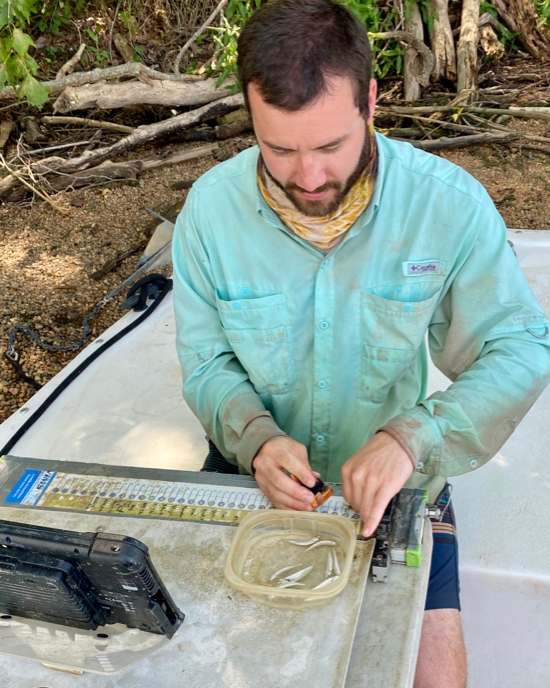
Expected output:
(324, 231)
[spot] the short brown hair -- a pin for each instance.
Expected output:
(289, 48)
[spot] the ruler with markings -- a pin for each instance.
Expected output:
(140, 492)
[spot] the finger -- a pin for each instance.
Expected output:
(276, 481)
(373, 516)
(300, 468)
(284, 501)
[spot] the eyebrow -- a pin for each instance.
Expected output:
(325, 145)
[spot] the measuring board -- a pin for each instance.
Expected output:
(142, 492)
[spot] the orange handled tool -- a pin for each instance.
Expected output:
(321, 492)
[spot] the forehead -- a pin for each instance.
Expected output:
(333, 115)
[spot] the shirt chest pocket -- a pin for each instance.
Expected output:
(392, 333)
(258, 331)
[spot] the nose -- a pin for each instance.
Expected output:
(309, 173)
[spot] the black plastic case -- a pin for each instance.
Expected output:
(83, 580)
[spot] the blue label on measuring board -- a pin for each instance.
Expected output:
(29, 487)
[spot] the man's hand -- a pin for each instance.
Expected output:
(373, 476)
(277, 456)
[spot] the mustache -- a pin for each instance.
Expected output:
(291, 186)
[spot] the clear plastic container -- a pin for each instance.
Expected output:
(262, 547)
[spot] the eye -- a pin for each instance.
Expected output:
(280, 152)
(331, 149)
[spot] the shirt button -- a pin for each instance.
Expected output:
(320, 439)
(244, 291)
(238, 305)
(322, 384)
(473, 463)
(407, 308)
(419, 465)
(324, 325)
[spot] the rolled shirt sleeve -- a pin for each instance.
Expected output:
(215, 385)
(490, 337)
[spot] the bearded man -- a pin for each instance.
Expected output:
(308, 271)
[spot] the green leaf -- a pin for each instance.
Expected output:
(223, 76)
(36, 93)
(21, 42)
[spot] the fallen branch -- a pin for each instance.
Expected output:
(139, 137)
(116, 261)
(79, 78)
(85, 122)
(154, 92)
(29, 186)
(105, 172)
(463, 141)
(68, 66)
(423, 109)
(197, 33)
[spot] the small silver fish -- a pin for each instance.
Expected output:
(329, 568)
(299, 574)
(328, 543)
(289, 584)
(335, 564)
(326, 582)
(281, 571)
(304, 543)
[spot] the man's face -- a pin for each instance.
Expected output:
(315, 154)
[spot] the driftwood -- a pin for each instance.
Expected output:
(79, 78)
(111, 264)
(105, 172)
(153, 92)
(413, 25)
(464, 141)
(442, 42)
(85, 122)
(522, 113)
(521, 18)
(70, 64)
(139, 137)
(466, 53)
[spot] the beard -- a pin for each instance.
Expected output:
(322, 207)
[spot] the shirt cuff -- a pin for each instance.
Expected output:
(419, 435)
(255, 435)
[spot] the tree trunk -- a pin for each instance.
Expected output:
(466, 53)
(443, 46)
(151, 92)
(413, 24)
(521, 18)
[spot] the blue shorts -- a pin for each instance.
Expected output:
(444, 588)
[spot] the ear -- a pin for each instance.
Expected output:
(373, 92)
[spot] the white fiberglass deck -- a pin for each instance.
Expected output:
(133, 414)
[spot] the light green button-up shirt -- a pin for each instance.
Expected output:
(276, 337)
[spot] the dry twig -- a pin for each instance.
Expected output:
(197, 33)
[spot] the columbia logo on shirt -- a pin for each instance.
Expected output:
(422, 267)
